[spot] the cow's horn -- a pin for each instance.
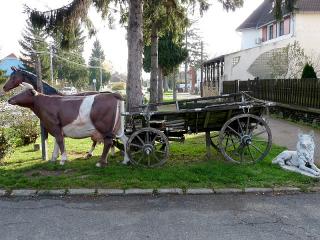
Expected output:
(26, 85)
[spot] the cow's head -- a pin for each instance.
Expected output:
(25, 98)
(15, 79)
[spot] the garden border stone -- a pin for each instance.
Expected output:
(198, 191)
(170, 191)
(138, 191)
(111, 192)
(160, 191)
(81, 191)
(23, 192)
(227, 190)
(258, 190)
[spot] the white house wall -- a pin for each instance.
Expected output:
(249, 38)
(247, 58)
(308, 32)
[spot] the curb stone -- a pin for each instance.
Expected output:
(199, 191)
(170, 191)
(315, 189)
(81, 191)
(111, 192)
(138, 191)
(286, 189)
(57, 192)
(227, 190)
(258, 190)
(23, 193)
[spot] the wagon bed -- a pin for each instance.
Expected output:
(229, 121)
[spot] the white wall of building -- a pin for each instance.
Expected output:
(249, 38)
(308, 32)
(247, 57)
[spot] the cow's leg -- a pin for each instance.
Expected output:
(90, 153)
(60, 141)
(124, 140)
(103, 159)
(55, 153)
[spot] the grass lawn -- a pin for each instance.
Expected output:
(187, 167)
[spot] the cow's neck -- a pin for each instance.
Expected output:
(40, 105)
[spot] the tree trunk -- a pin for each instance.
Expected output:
(135, 49)
(154, 65)
(165, 84)
(174, 85)
(160, 85)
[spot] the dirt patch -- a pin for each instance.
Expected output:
(47, 173)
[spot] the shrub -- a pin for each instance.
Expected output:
(308, 72)
(5, 144)
(21, 124)
(118, 86)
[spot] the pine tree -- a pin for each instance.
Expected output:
(69, 64)
(96, 60)
(34, 42)
(308, 72)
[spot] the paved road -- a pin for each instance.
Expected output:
(285, 133)
(168, 217)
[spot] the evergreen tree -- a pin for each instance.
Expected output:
(308, 72)
(69, 64)
(34, 42)
(96, 60)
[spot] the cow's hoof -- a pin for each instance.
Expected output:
(101, 165)
(89, 155)
(127, 163)
(62, 163)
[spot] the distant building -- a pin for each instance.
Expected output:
(8, 62)
(262, 36)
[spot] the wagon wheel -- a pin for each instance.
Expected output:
(148, 147)
(245, 138)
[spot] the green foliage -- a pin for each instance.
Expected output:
(34, 40)
(21, 125)
(70, 64)
(118, 86)
(2, 77)
(308, 72)
(281, 7)
(96, 60)
(171, 54)
(5, 144)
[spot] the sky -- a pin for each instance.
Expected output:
(217, 28)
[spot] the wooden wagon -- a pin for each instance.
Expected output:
(233, 125)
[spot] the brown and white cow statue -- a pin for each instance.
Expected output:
(96, 116)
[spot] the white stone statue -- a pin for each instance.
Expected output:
(302, 160)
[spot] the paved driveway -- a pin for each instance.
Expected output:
(239, 217)
(285, 133)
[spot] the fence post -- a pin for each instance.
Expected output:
(236, 86)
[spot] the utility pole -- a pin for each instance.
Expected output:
(186, 65)
(51, 64)
(100, 73)
(44, 133)
(201, 69)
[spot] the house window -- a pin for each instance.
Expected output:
(281, 28)
(235, 61)
(270, 31)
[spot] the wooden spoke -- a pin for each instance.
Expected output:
(152, 156)
(239, 149)
(234, 131)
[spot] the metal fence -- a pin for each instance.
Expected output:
(296, 92)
